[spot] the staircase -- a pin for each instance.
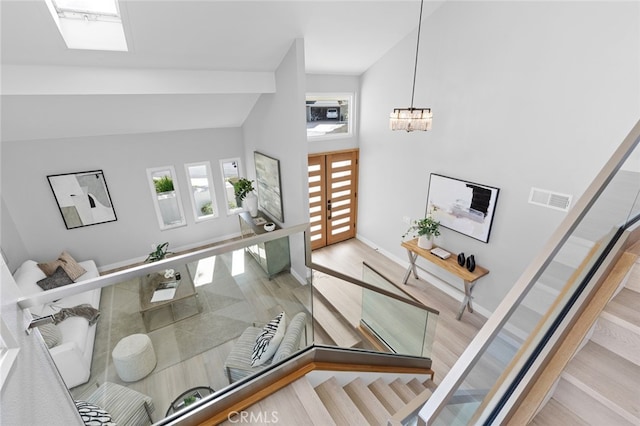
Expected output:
(362, 400)
(600, 384)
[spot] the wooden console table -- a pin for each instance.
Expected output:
(450, 265)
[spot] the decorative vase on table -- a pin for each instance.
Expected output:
(425, 242)
(250, 203)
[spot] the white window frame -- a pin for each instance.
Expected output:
(156, 203)
(350, 96)
(198, 216)
(230, 211)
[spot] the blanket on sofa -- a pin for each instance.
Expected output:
(85, 310)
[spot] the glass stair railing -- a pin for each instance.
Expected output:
(492, 373)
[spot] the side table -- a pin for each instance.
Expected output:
(450, 265)
(188, 397)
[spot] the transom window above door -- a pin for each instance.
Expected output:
(329, 115)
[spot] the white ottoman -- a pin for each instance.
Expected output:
(134, 357)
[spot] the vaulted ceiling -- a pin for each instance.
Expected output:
(49, 91)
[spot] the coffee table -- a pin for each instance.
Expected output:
(188, 397)
(184, 290)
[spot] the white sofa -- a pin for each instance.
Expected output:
(74, 352)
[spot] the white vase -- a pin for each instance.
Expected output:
(425, 242)
(250, 204)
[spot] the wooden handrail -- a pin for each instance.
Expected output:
(241, 395)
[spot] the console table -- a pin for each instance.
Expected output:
(450, 265)
(273, 256)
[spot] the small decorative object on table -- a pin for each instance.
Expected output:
(269, 226)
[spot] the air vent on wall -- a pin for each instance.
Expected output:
(550, 199)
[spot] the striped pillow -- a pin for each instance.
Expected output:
(268, 341)
(92, 415)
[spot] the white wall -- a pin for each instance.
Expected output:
(524, 94)
(34, 392)
(124, 160)
(331, 83)
(276, 127)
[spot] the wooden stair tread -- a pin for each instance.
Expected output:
(285, 401)
(367, 402)
(346, 298)
(415, 385)
(592, 408)
(336, 329)
(387, 396)
(625, 306)
(404, 392)
(311, 402)
(340, 407)
(608, 374)
(554, 413)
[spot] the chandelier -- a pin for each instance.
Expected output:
(411, 118)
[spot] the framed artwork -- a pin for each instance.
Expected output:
(462, 206)
(83, 198)
(268, 185)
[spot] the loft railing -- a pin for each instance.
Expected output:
(507, 350)
(221, 275)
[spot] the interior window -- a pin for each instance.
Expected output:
(230, 173)
(166, 198)
(201, 191)
(329, 115)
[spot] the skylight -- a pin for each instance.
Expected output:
(89, 24)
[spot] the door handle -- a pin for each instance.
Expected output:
(329, 209)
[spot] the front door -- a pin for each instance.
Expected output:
(333, 188)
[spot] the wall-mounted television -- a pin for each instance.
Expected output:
(462, 206)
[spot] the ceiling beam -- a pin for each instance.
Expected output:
(59, 80)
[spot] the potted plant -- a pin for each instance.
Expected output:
(243, 190)
(160, 252)
(425, 229)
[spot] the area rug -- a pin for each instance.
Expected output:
(223, 315)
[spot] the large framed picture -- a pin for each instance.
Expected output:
(462, 206)
(268, 185)
(83, 198)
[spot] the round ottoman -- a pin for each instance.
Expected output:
(134, 357)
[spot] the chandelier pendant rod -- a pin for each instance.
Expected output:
(415, 67)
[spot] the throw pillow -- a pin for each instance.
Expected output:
(50, 333)
(268, 341)
(58, 279)
(68, 263)
(92, 415)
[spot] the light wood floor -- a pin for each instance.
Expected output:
(452, 336)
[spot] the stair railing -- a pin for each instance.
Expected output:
(482, 365)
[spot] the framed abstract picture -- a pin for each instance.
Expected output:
(83, 198)
(269, 188)
(462, 206)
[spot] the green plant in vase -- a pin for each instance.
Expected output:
(161, 251)
(241, 188)
(426, 229)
